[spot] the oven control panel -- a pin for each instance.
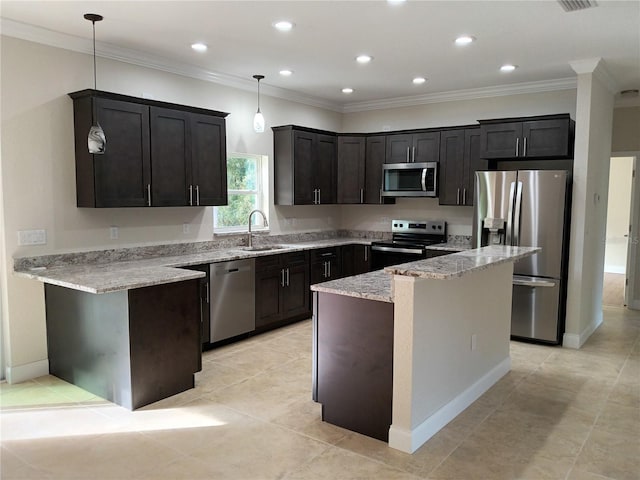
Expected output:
(418, 226)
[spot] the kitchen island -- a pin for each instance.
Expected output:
(398, 354)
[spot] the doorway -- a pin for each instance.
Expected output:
(618, 269)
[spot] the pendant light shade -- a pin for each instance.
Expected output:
(258, 118)
(96, 140)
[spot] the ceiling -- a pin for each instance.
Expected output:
(414, 38)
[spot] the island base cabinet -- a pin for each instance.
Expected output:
(131, 347)
(353, 362)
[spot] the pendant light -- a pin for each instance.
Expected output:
(96, 140)
(258, 118)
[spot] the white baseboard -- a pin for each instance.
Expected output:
(29, 371)
(410, 440)
(574, 340)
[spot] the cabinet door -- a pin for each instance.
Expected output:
(500, 140)
(295, 293)
(452, 165)
(303, 182)
(123, 172)
(398, 148)
(208, 160)
(426, 147)
(170, 157)
(324, 170)
(374, 159)
(472, 162)
(351, 169)
(361, 259)
(545, 138)
(268, 286)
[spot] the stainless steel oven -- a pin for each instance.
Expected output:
(409, 239)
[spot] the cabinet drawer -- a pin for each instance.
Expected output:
(295, 258)
(324, 253)
(268, 262)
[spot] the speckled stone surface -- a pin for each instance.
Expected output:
(458, 264)
(372, 286)
(378, 285)
(454, 246)
(102, 277)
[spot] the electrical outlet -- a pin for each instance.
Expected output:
(113, 233)
(186, 228)
(32, 237)
(474, 340)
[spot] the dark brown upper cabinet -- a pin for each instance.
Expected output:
(374, 159)
(305, 166)
(351, 169)
(413, 147)
(459, 160)
(157, 153)
(541, 137)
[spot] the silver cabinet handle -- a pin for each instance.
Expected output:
(198, 195)
(319, 196)
(517, 145)
(149, 194)
(524, 149)
(329, 267)
(282, 277)
(413, 154)
(190, 194)
(287, 277)
(408, 161)
(380, 196)
(458, 197)
(464, 196)
(206, 285)
(366, 253)
(362, 195)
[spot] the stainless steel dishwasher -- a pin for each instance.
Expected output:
(232, 298)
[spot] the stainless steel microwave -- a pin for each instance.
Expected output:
(410, 179)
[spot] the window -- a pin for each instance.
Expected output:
(246, 189)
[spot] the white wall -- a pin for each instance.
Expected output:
(38, 174)
(618, 211)
(464, 112)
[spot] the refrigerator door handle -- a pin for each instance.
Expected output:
(508, 233)
(532, 282)
(517, 214)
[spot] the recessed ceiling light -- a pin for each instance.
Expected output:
(199, 47)
(364, 58)
(419, 80)
(465, 40)
(286, 72)
(396, 2)
(347, 90)
(283, 25)
(508, 68)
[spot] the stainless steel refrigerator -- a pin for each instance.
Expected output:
(529, 208)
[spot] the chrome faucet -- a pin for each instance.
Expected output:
(266, 224)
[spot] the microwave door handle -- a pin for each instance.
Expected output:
(508, 232)
(424, 179)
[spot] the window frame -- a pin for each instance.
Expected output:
(261, 192)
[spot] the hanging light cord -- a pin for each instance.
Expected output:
(95, 81)
(259, 94)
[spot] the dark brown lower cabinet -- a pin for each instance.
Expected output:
(353, 362)
(356, 259)
(282, 289)
(326, 264)
(132, 347)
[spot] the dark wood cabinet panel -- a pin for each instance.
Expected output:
(120, 176)
(170, 157)
(157, 154)
(413, 147)
(356, 259)
(208, 160)
(305, 166)
(325, 264)
(542, 137)
(351, 169)
(459, 160)
(282, 289)
(374, 159)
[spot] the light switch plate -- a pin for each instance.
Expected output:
(32, 237)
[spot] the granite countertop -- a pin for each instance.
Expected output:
(125, 275)
(378, 285)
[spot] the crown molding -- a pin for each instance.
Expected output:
(35, 34)
(467, 94)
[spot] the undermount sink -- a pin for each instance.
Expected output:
(261, 248)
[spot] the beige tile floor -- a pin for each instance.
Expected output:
(559, 414)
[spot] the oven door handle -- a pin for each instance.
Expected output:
(414, 251)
